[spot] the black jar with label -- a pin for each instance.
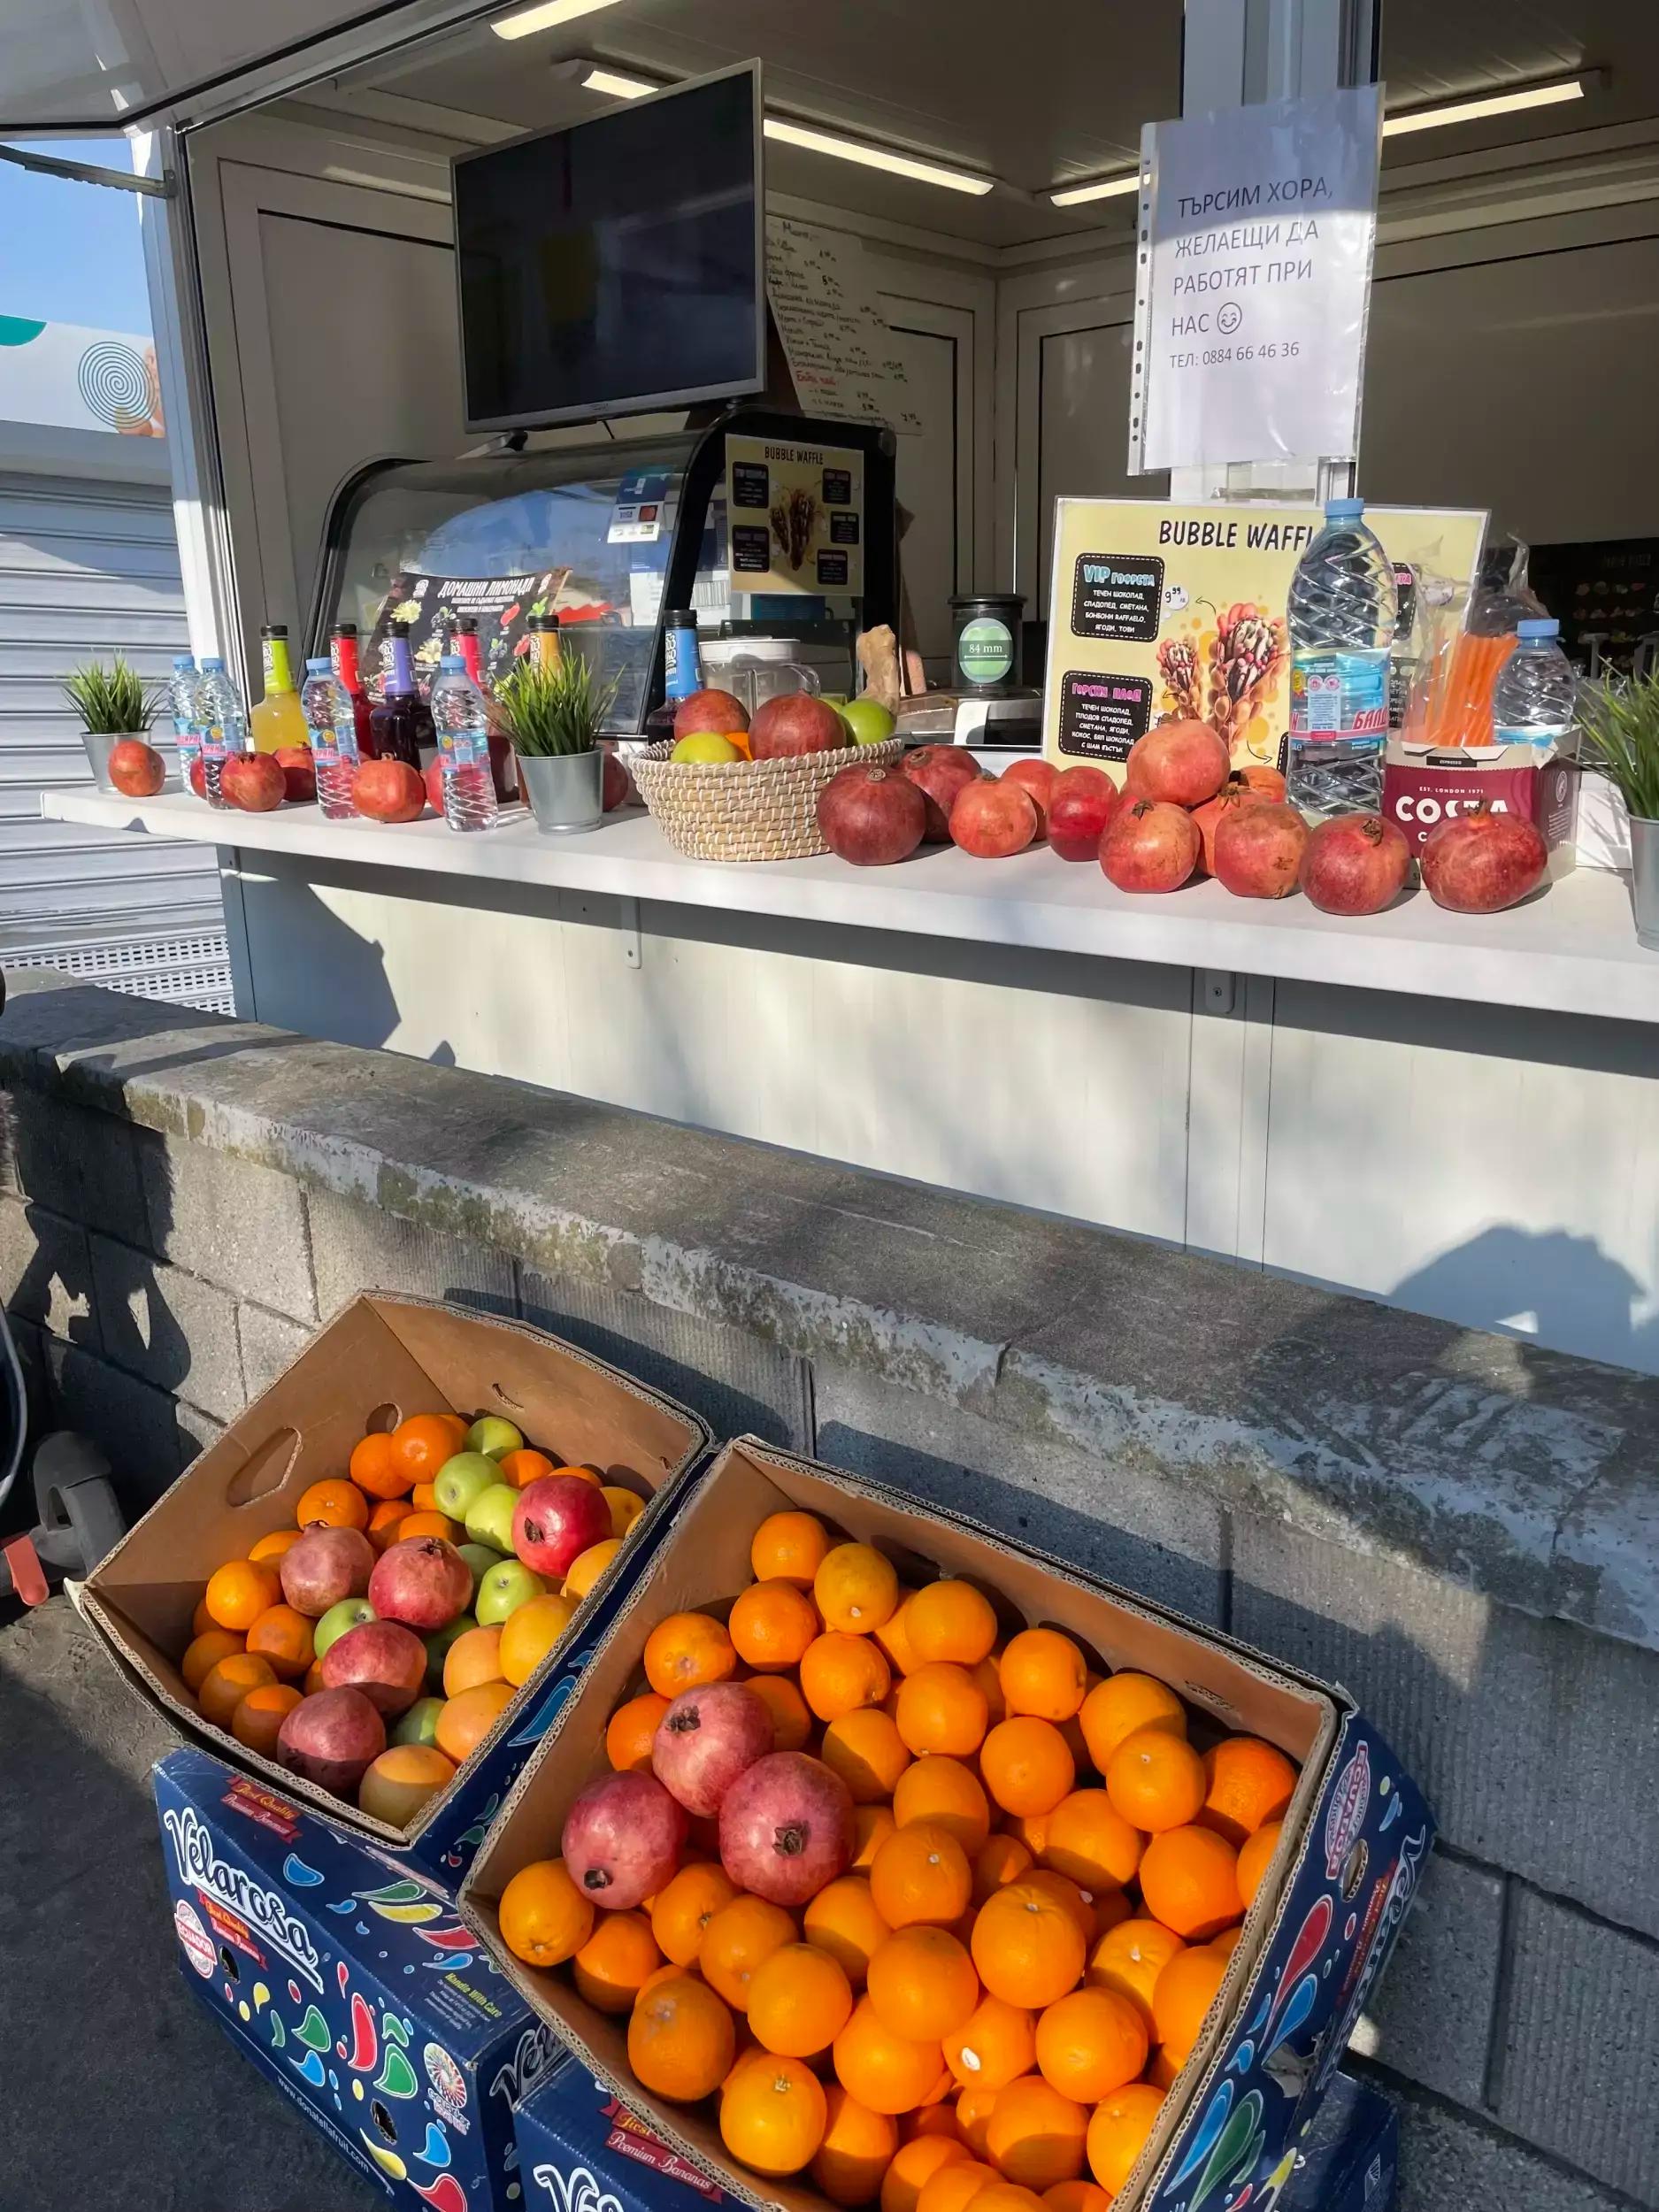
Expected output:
(985, 640)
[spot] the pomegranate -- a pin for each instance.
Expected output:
(432, 781)
(1149, 846)
(253, 782)
(198, 778)
(718, 713)
(939, 772)
(1258, 850)
(423, 1582)
(622, 1839)
(137, 768)
(323, 1566)
(330, 1737)
(1039, 777)
(1356, 863)
(557, 1519)
(1181, 763)
(704, 1741)
(388, 791)
(1081, 804)
(786, 1828)
(1480, 862)
(795, 722)
(992, 818)
(1233, 794)
(872, 816)
(387, 1663)
(299, 772)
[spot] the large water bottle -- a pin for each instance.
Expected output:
(1535, 697)
(462, 722)
(327, 706)
(224, 722)
(186, 729)
(1342, 613)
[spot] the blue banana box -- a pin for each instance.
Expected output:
(351, 1985)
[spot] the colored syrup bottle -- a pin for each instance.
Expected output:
(348, 671)
(277, 721)
(401, 722)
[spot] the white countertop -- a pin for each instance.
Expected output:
(1571, 949)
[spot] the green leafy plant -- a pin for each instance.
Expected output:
(1619, 734)
(112, 702)
(551, 712)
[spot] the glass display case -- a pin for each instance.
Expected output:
(606, 536)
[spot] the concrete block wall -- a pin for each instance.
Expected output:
(159, 1278)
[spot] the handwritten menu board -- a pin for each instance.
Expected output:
(841, 352)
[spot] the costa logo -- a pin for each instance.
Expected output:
(1346, 1813)
(264, 1909)
(1428, 810)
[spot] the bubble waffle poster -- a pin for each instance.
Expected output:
(1162, 613)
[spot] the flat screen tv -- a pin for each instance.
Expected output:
(616, 265)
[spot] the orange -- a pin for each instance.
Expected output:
(953, 2187)
(238, 1591)
(423, 1498)
(1246, 1782)
(1090, 2043)
(789, 1547)
(773, 2116)
(799, 2000)
(1026, 1766)
(1030, 1829)
(791, 1721)
(270, 1549)
(855, 1589)
(1226, 1942)
(1185, 1992)
(920, 1875)
(224, 1686)
(951, 1620)
(865, 1749)
(589, 1569)
(685, 1652)
(386, 1520)
(681, 2041)
(1043, 1674)
(1118, 2130)
(1162, 2068)
(339, 1504)
(1076, 2196)
(889, 2073)
(202, 1620)
(931, 2119)
(915, 2164)
(419, 1448)
(1001, 1859)
(1008, 2196)
(994, 2045)
(1130, 1957)
(313, 1681)
(736, 1940)
(618, 1958)
(1253, 1856)
(472, 1659)
(631, 1727)
(857, 2149)
(583, 1474)
(1189, 1881)
(530, 1632)
(1036, 2136)
(258, 1718)
(947, 1792)
(1067, 1893)
(1089, 1840)
(683, 1908)
(283, 1638)
(524, 1466)
(922, 1984)
(839, 1672)
(1110, 1906)
(974, 2107)
(1156, 1780)
(1115, 1707)
(204, 1653)
(398, 1784)
(625, 1507)
(1028, 1946)
(842, 1920)
(943, 1708)
(772, 1624)
(988, 1675)
(432, 1523)
(893, 1636)
(873, 1825)
(375, 1473)
(464, 1721)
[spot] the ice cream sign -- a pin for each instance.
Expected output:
(78, 378)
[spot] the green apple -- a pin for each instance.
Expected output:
(869, 721)
(481, 1558)
(419, 1724)
(492, 1436)
(504, 1589)
(438, 1647)
(459, 1482)
(350, 1613)
(489, 1516)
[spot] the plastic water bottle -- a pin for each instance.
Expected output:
(1535, 697)
(462, 722)
(224, 721)
(327, 706)
(1342, 613)
(186, 730)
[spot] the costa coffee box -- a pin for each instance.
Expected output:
(1423, 789)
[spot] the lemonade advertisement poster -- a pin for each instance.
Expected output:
(1162, 613)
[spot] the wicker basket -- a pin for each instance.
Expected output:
(746, 810)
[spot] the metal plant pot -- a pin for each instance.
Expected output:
(100, 744)
(566, 791)
(1644, 879)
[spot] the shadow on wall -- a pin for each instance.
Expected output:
(1548, 1288)
(312, 972)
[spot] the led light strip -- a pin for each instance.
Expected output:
(525, 21)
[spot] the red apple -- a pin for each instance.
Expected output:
(796, 722)
(618, 785)
(1081, 807)
(423, 1582)
(253, 782)
(137, 768)
(557, 1519)
(387, 1662)
(716, 713)
(872, 816)
(940, 772)
(330, 1737)
(299, 772)
(388, 791)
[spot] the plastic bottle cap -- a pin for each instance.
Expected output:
(182, 664)
(1344, 510)
(213, 667)
(1538, 626)
(452, 665)
(318, 667)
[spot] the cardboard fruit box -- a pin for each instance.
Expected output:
(380, 1360)
(1355, 1839)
